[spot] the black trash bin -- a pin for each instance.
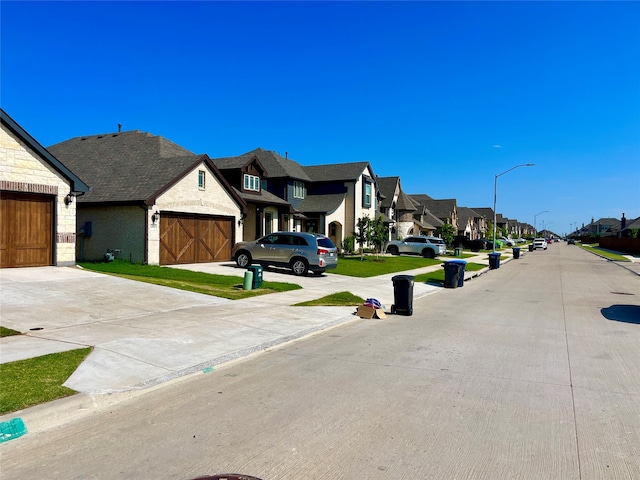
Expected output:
(531, 247)
(494, 260)
(516, 253)
(257, 276)
(402, 295)
(454, 273)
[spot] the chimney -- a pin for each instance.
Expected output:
(119, 127)
(286, 154)
(623, 222)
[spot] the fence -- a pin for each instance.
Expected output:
(623, 245)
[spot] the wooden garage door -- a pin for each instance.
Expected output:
(194, 238)
(26, 230)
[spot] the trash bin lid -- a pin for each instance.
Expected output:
(494, 254)
(402, 277)
(463, 262)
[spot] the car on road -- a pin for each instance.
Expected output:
(539, 243)
(299, 251)
(571, 241)
(428, 247)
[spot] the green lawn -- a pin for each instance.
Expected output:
(373, 265)
(7, 332)
(609, 254)
(223, 286)
(38, 380)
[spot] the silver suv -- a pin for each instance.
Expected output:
(301, 252)
(428, 247)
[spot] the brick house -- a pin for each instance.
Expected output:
(38, 196)
(151, 201)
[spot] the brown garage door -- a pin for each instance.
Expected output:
(26, 230)
(194, 238)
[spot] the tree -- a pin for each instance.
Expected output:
(446, 232)
(362, 234)
(379, 233)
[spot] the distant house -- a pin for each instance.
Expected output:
(603, 227)
(38, 198)
(151, 200)
(471, 224)
(397, 207)
(445, 210)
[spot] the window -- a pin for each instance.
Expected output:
(366, 194)
(251, 182)
(201, 179)
(298, 190)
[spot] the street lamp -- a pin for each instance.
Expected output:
(535, 225)
(495, 194)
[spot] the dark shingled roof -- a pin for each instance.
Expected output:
(275, 165)
(387, 186)
(321, 203)
(130, 166)
(336, 172)
(466, 213)
(440, 208)
(405, 203)
(484, 211)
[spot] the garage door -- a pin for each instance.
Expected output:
(26, 230)
(195, 238)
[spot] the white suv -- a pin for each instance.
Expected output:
(539, 243)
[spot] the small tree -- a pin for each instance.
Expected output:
(362, 234)
(446, 233)
(379, 233)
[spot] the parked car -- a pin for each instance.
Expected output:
(539, 243)
(299, 251)
(507, 241)
(473, 245)
(571, 241)
(428, 247)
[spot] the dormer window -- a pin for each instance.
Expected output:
(251, 182)
(298, 190)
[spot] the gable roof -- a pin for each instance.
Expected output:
(484, 211)
(132, 166)
(275, 165)
(337, 172)
(387, 186)
(327, 203)
(77, 186)
(405, 203)
(440, 208)
(465, 214)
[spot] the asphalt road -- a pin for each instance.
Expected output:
(528, 372)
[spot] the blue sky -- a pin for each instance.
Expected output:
(445, 95)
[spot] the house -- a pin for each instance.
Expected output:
(254, 176)
(151, 200)
(396, 207)
(38, 198)
(337, 197)
(471, 224)
(445, 210)
(603, 227)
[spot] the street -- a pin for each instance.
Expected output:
(531, 371)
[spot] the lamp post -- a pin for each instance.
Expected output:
(495, 195)
(535, 225)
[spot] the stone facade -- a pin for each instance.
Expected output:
(23, 170)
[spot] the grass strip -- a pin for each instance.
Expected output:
(7, 332)
(38, 380)
(339, 299)
(372, 265)
(224, 286)
(608, 254)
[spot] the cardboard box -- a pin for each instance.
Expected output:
(364, 311)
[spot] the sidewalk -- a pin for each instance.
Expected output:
(145, 335)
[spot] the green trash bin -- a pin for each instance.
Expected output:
(257, 276)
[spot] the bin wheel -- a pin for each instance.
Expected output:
(393, 309)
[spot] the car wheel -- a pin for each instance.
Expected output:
(393, 250)
(243, 259)
(428, 253)
(299, 266)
